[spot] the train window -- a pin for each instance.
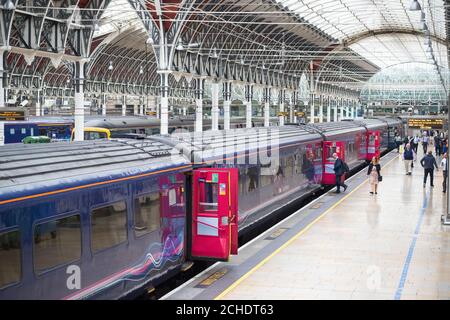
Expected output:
(10, 267)
(266, 175)
(57, 242)
(32, 132)
(109, 226)
(92, 135)
(147, 216)
(23, 130)
(209, 192)
(12, 131)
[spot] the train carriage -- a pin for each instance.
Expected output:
(110, 213)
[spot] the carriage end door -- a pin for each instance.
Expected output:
(214, 214)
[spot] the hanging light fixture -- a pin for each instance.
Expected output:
(415, 6)
(141, 70)
(110, 67)
(9, 5)
(215, 55)
(150, 40)
(180, 46)
(242, 61)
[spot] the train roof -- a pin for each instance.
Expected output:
(329, 129)
(207, 145)
(29, 169)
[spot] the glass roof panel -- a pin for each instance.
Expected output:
(118, 15)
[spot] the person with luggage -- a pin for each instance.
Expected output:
(340, 168)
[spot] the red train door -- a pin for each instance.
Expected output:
(214, 213)
(373, 144)
(330, 147)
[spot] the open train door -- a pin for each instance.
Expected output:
(373, 144)
(214, 214)
(330, 147)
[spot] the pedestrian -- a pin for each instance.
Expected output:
(398, 142)
(408, 157)
(340, 168)
(444, 145)
(425, 143)
(428, 162)
(437, 145)
(415, 143)
(444, 166)
(374, 174)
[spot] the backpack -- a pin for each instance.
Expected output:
(345, 166)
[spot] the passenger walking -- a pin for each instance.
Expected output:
(437, 145)
(444, 166)
(374, 174)
(340, 168)
(428, 162)
(408, 157)
(398, 142)
(425, 143)
(415, 143)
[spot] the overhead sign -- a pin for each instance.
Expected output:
(12, 114)
(300, 114)
(425, 123)
(282, 114)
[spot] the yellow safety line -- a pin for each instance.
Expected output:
(263, 262)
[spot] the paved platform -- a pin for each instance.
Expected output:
(348, 246)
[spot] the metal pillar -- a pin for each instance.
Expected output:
(328, 109)
(124, 105)
(199, 88)
(248, 105)
(164, 112)
(281, 98)
(226, 91)
(103, 104)
(335, 112)
(2, 75)
(215, 106)
(38, 104)
(266, 98)
(135, 109)
(320, 108)
(341, 103)
(79, 100)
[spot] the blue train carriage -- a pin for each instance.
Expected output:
(90, 220)
(277, 165)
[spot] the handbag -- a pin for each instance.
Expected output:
(380, 178)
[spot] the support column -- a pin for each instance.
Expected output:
(341, 104)
(266, 98)
(79, 100)
(320, 108)
(226, 104)
(135, 109)
(291, 106)
(38, 104)
(104, 104)
(199, 87)
(215, 106)
(335, 113)
(281, 98)
(2, 75)
(328, 109)
(248, 105)
(141, 106)
(124, 105)
(164, 112)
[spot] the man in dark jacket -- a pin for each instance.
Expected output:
(437, 144)
(408, 157)
(428, 163)
(339, 171)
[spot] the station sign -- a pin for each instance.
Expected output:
(300, 114)
(282, 114)
(12, 114)
(424, 123)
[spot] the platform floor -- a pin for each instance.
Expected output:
(349, 246)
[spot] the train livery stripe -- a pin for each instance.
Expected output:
(91, 185)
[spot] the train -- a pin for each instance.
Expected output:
(111, 219)
(136, 127)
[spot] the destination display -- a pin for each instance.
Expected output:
(12, 115)
(426, 123)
